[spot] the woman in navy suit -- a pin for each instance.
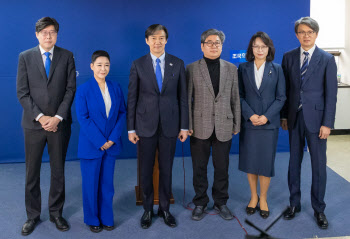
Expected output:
(262, 92)
(101, 114)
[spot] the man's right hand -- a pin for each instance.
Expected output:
(284, 124)
(43, 119)
(190, 132)
(133, 138)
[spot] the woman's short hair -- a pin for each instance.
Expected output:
(267, 41)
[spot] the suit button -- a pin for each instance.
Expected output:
(301, 92)
(213, 114)
(216, 101)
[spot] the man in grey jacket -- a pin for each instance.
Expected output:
(215, 114)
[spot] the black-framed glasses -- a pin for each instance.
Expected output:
(46, 33)
(309, 33)
(211, 43)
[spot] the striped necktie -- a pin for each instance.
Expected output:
(303, 71)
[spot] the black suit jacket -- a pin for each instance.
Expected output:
(147, 106)
(38, 94)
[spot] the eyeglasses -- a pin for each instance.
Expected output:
(46, 33)
(210, 43)
(260, 48)
(306, 33)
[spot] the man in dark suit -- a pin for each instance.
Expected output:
(309, 112)
(157, 114)
(45, 89)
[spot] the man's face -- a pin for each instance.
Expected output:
(47, 37)
(212, 47)
(157, 43)
(306, 36)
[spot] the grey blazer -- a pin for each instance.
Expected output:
(206, 111)
(38, 93)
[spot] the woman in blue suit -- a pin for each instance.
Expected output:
(101, 114)
(262, 92)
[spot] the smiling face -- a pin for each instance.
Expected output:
(260, 50)
(212, 47)
(156, 43)
(100, 68)
(47, 37)
(306, 36)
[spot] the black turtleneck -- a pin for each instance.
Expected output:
(214, 72)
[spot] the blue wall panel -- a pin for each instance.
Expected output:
(118, 27)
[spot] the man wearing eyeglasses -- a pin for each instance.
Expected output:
(309, 112)
(45, 89)
(215, 114)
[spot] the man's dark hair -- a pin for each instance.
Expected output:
(154, 28)
(267, 41)
(45, 22)
(99, 53)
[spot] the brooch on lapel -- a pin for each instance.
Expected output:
(170, 64)
(270, 72)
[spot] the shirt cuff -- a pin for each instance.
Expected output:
(39, 116)
(184, 129)
(59, 117)
(131, 131)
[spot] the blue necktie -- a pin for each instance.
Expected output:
(47, 63)
(303, 71)
(159, 75)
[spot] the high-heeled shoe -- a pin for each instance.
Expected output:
(252, 210)
(264, 214)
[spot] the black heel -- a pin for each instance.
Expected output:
(264, 214)
(252, 210)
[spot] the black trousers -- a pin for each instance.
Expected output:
(318, 148)
(57, 143)
(200, 151)
(147, 147)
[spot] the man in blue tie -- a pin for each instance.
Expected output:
(157, 113)
(45, 89)
(309, 112)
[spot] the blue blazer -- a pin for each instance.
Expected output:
(95, 128)
(318, 91)
(268, 100)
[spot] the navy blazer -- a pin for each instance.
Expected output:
(147, 105)
(95, 128)
(268, 100)
(318, 91)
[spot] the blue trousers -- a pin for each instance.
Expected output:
(318, 157)
(98, 190)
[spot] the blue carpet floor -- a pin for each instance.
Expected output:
(127, 215)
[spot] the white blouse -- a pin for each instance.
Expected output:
(259, 74)
(107, 99)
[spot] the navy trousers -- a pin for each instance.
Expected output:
(98, 190)
(318, 156)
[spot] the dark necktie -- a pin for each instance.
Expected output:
(47, 63)
(159, 75)
(303, 71)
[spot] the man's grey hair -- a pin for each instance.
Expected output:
(308, 21)
(210, 32)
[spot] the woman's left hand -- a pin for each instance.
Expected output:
(262, 120)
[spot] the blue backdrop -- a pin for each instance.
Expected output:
(118, 27)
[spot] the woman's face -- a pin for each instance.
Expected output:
(100, 67)
(260, 50)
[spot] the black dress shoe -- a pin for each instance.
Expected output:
(322, 221)
(61, 223)
(29, 226)
(96, 229)
(108, 228)
(224, 212)
(146, 219)
(168, 218)
(198, 213)
(290, 213)
(252, 210)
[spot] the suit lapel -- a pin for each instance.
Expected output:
(113, 96)
(223, 77)
(55, 59)
(39, 62)
(149, 70)
(205, 74)
(99, 98)
(251, 76)
(168, 70)
(296, 66)
(315, 59)
(266, 76)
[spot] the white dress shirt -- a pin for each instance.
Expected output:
(161, 63)
(302, 55)
(42, 51)
(107, 99)
(259, 74)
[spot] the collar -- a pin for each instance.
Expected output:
(42, 51)
(161, 58)
(310, 51)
